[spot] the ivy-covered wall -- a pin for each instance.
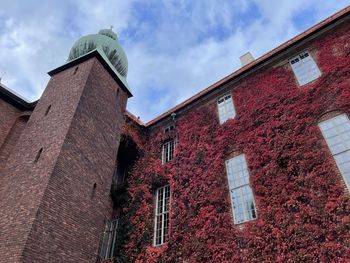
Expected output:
(303, 206)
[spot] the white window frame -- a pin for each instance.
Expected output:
(161, 217)
(169, 128)
(341, 149)
(225, 105)
(304, 68)
(168, 151)
(245, 184)
(108, 241)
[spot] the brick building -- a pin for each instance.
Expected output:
(255, 168)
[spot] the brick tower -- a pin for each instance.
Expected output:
(55, 185)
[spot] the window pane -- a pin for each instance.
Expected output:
(159, 223)
(165, 226)
(242, 199)
(304, 68)
(168, 151)
(336, 132)
(225, 108)
(160, 201)
(107, 246)
(343, 162)
(161, 228)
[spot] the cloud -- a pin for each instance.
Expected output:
(174, 48)
(196, 45)
(36, 37)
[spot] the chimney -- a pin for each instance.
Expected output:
(246, 59)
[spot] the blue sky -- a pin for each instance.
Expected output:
(174, 48)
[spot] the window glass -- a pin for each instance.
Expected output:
(161, 221)
(169, 128)
(168, 151)
(242, 199)
(225, 108)
(336, 132)
(108, 243)
(304, 68)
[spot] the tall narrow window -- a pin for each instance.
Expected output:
(38, 155)
(304, 68)
(242, 199)
(119, 175)
(161, 221)
(47, 110)
(108, 242)
(336, 132)
(225, 108)
(168, 151)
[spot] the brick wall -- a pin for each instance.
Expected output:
(11, 139)
(8, 115)
(54, 211)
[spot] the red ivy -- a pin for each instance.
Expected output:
(303, 208)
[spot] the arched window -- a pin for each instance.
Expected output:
(336, 132)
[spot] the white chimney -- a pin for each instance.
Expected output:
(246, 59)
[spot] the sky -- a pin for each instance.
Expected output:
(175, 48)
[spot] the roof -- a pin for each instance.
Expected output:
(102, 57)
(264, 58)
(15, 99)
(107, 40)
(134, 118)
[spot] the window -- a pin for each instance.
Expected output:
(242, 199)
(38, 155)
(119, 175)
(108, 242)
(169, 128)
(336, 132)
(168, 151)
(47, 110)
(225, 108)
(304, 68)
(161, 221)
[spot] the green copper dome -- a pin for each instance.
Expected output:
(108, 41)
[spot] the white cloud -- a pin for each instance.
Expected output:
(37, 36)
(179, 75)
(175, 48)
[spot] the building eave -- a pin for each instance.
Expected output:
(134, 118)
(15, 100)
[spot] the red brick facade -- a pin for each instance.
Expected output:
(54, 211)
(8, 116)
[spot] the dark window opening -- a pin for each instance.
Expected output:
(47, 110)
(38, 155)
(127, 154)
(93, 192)
(169, 128)
(75, 70)
(119, 175)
